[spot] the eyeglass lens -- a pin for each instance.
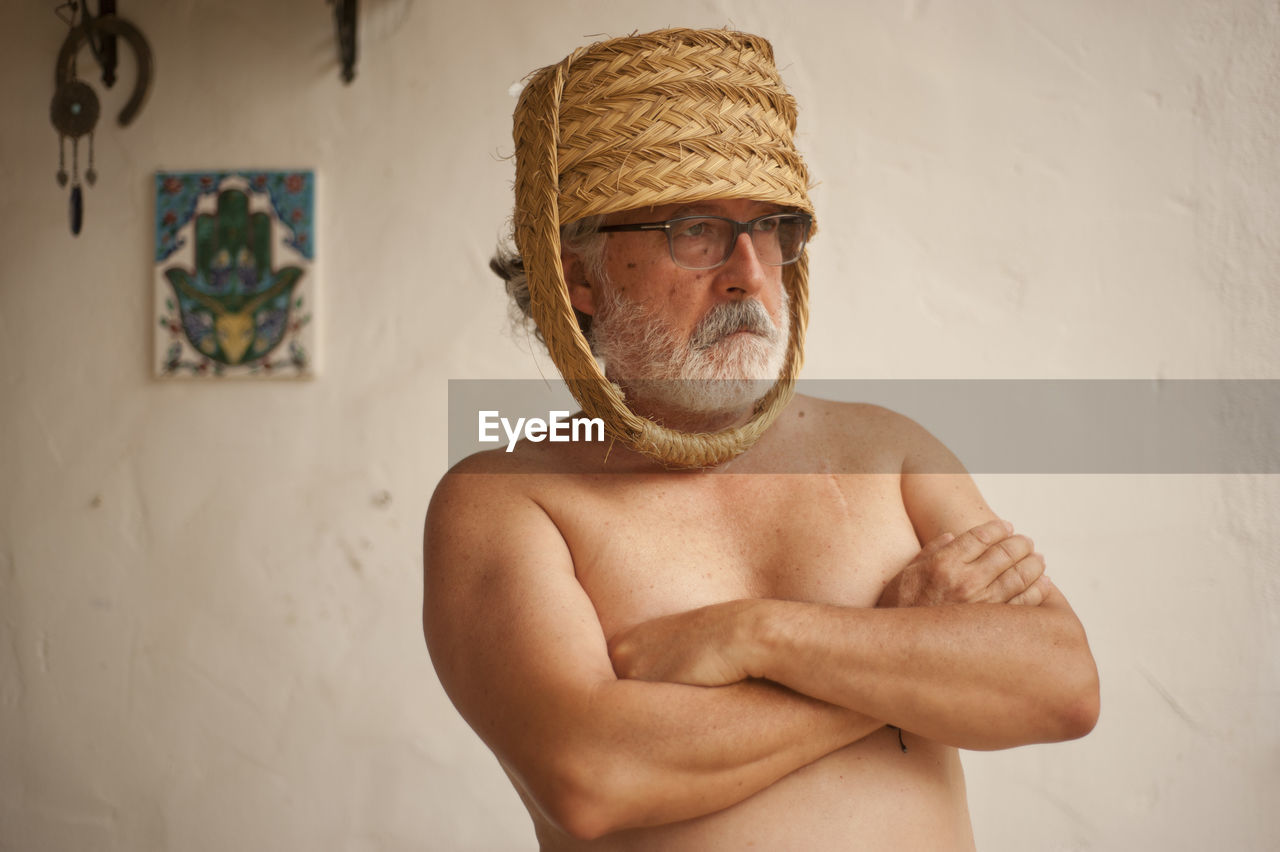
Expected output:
(705, 242)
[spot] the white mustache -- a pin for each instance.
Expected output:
(729, 318)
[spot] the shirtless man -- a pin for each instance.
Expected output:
(711, 658)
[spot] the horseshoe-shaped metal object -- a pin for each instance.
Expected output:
(64, 71)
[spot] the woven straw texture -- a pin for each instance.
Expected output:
(674, 116)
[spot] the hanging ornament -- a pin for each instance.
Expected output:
(75, 109)
(74, 113)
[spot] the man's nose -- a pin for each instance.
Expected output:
(743, 274)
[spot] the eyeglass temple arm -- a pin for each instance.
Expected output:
(640, 226)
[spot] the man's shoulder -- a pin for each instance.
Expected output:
(486, 507)
(486, 488)
(488, 475)
(837, 414)
(873, 437)
(851, 437)
(496, 462)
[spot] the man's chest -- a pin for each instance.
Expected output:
(647, 547)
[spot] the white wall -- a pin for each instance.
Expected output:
(209, 595)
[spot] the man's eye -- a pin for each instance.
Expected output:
(768, 226)
(693, 229)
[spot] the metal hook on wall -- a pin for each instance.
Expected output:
(345, 14)
(74, 109)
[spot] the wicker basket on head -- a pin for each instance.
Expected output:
(673, 116)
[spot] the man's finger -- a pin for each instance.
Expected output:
(937, 544)
(971, 544)
(1018, 579)
(982, 572)
(1002, 555)
(1036, 594)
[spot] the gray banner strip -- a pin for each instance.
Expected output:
(994, 426)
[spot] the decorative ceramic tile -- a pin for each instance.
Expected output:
(235, 275)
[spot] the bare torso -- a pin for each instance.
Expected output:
(648, 545)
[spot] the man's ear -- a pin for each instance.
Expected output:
(582, 294)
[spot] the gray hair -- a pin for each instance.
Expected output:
(581, 237)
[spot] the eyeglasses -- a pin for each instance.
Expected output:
(707, 242)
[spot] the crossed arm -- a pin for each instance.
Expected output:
(602, 737)
(971, 671)
(520, 651)
(943, 654)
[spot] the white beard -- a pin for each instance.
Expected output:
(715, 371)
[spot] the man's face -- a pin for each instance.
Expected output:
(695, 340)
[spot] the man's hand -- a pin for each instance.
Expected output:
(987, 564)
(701, 647)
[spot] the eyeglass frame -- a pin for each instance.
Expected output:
(739, 228)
